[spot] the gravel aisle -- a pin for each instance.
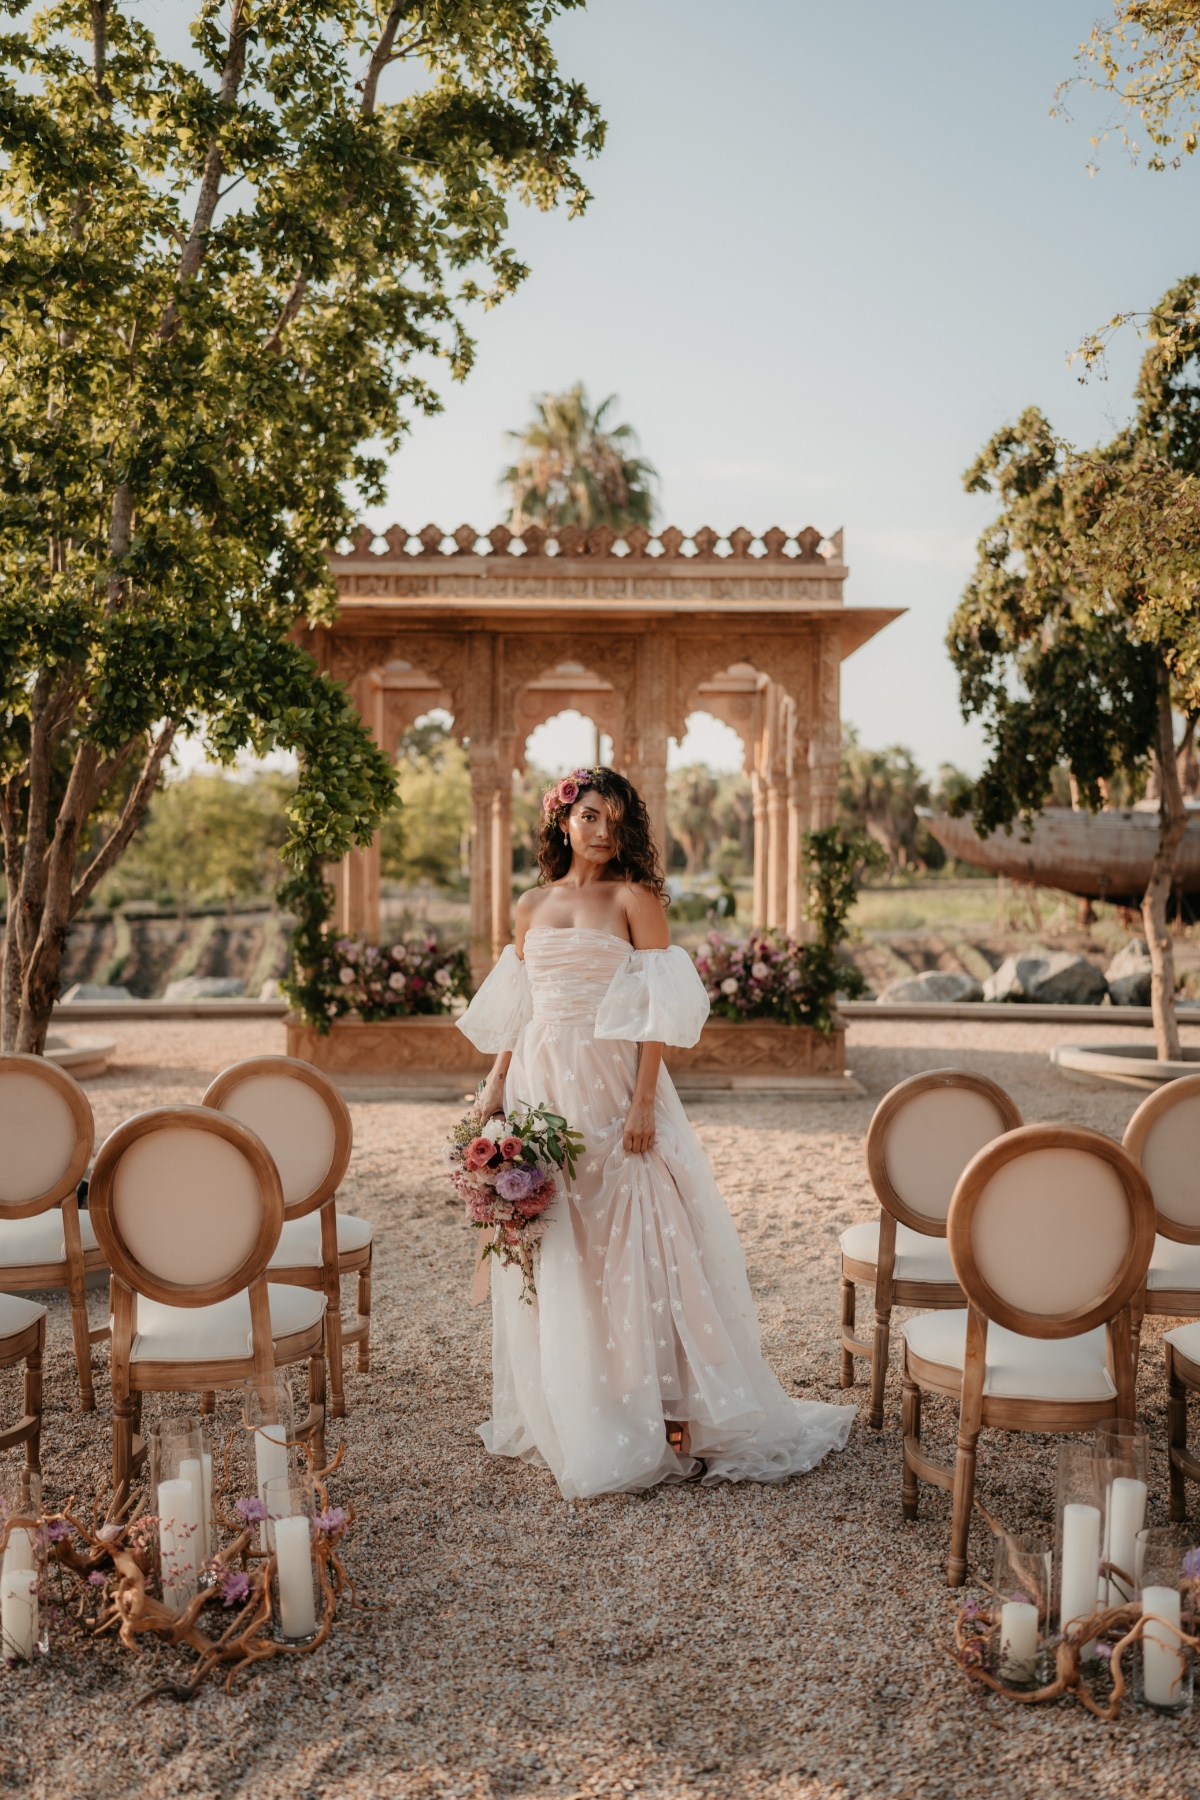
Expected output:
(784, 1641)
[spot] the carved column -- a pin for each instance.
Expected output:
(762, 833)
(356, 882)
(651, 731)
(777, 805)
(501, 854)
(799, 814)
(826, 751)
(483, 752)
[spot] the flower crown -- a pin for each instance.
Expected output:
(558, 800)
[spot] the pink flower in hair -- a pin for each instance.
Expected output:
(550, 801)
(568, 791)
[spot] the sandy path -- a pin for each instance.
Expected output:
(785, 1641)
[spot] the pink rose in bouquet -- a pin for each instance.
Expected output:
(511, 1148)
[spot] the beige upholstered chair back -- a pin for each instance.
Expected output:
(186, 1205)
(46, 1135)
(300, 1117)
(1050, 1230)
(923, 1135)
(1163, 1136)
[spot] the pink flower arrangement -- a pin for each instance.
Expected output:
(562, 796)
(507, 1175)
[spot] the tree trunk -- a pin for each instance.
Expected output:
(1172, 823)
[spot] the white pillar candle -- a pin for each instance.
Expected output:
(19, 1613)
(1162, 1662)
(293, 1564)
(1018, 1639)
(206, 1477)
(191, 1470)
(1127, 1515)
(1080, 1559)
(271, 1464)
(177, 1542)
(18, 1552)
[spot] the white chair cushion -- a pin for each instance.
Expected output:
(39, 1239)
(1174, 1265)
(219, 1333)
(918, 1258)
(1186, 1339)
(299, 1244)
(17, 1314)
(1018, 1368)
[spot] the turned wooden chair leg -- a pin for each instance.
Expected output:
(879, 1366)
(122, 1423)
(847, 1372)
(1176, 1441)
(910, 1491)
(316, 1400)
(333, 1339)
(208, 1401)
(964, 1499)
(33, 1401)
(364, 1319)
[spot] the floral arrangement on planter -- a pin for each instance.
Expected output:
(396, 981)
(769, 975)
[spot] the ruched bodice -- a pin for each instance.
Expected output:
(571, 970)
(643, 1311)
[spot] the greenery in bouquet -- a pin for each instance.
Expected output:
(505, 1170)
(374, 981)
(769, 975)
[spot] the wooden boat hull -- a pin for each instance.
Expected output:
(1100, 856)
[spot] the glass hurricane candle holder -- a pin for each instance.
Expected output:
(176, 1456)
(1122, 1454)
(20, 1506)
(290, 1509)
(268, 1412)
(1167, 1568)
(179, 1450)
(1022, 1604)
(1078, 1534)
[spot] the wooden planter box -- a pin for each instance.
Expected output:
(431, 1055)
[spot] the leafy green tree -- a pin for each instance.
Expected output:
(208, 837)
(1080, 630)
(216, 279)
(574, 468)
(879, 792)
(423, 840)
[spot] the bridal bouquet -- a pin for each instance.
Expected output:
(505, 1170)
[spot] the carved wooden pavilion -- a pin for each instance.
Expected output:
(635, 632)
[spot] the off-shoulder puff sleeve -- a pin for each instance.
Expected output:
(502, 1008)
(655, 997)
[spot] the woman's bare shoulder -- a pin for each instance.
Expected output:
(646, 917)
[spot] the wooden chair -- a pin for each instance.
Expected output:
(188, 1208)
(23, 1340)
(1050, 1233)
(923, 1135)
(1163, 1138)
(46, 1137)
(305, 1124)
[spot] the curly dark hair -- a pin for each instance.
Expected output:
(636, 857)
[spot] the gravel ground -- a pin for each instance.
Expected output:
(778, 1641)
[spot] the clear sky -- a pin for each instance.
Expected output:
(831, 249)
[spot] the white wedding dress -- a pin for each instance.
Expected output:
(643, 1311)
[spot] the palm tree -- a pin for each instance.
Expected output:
(574, 469)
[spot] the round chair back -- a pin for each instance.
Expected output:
(923, 1135)
(300, 1117)
(186, 1205)
(1050, 1230)
(46, 1135)
(1163, 1137)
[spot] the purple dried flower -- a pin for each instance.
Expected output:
(332, 1519)
(1191, 1564)
(1104, 1651)
(57, 1530)
(95, 1579)
(108, 1534)
(235, 1587)
(251, 1508)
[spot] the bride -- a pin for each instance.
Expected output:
(640, 1362)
